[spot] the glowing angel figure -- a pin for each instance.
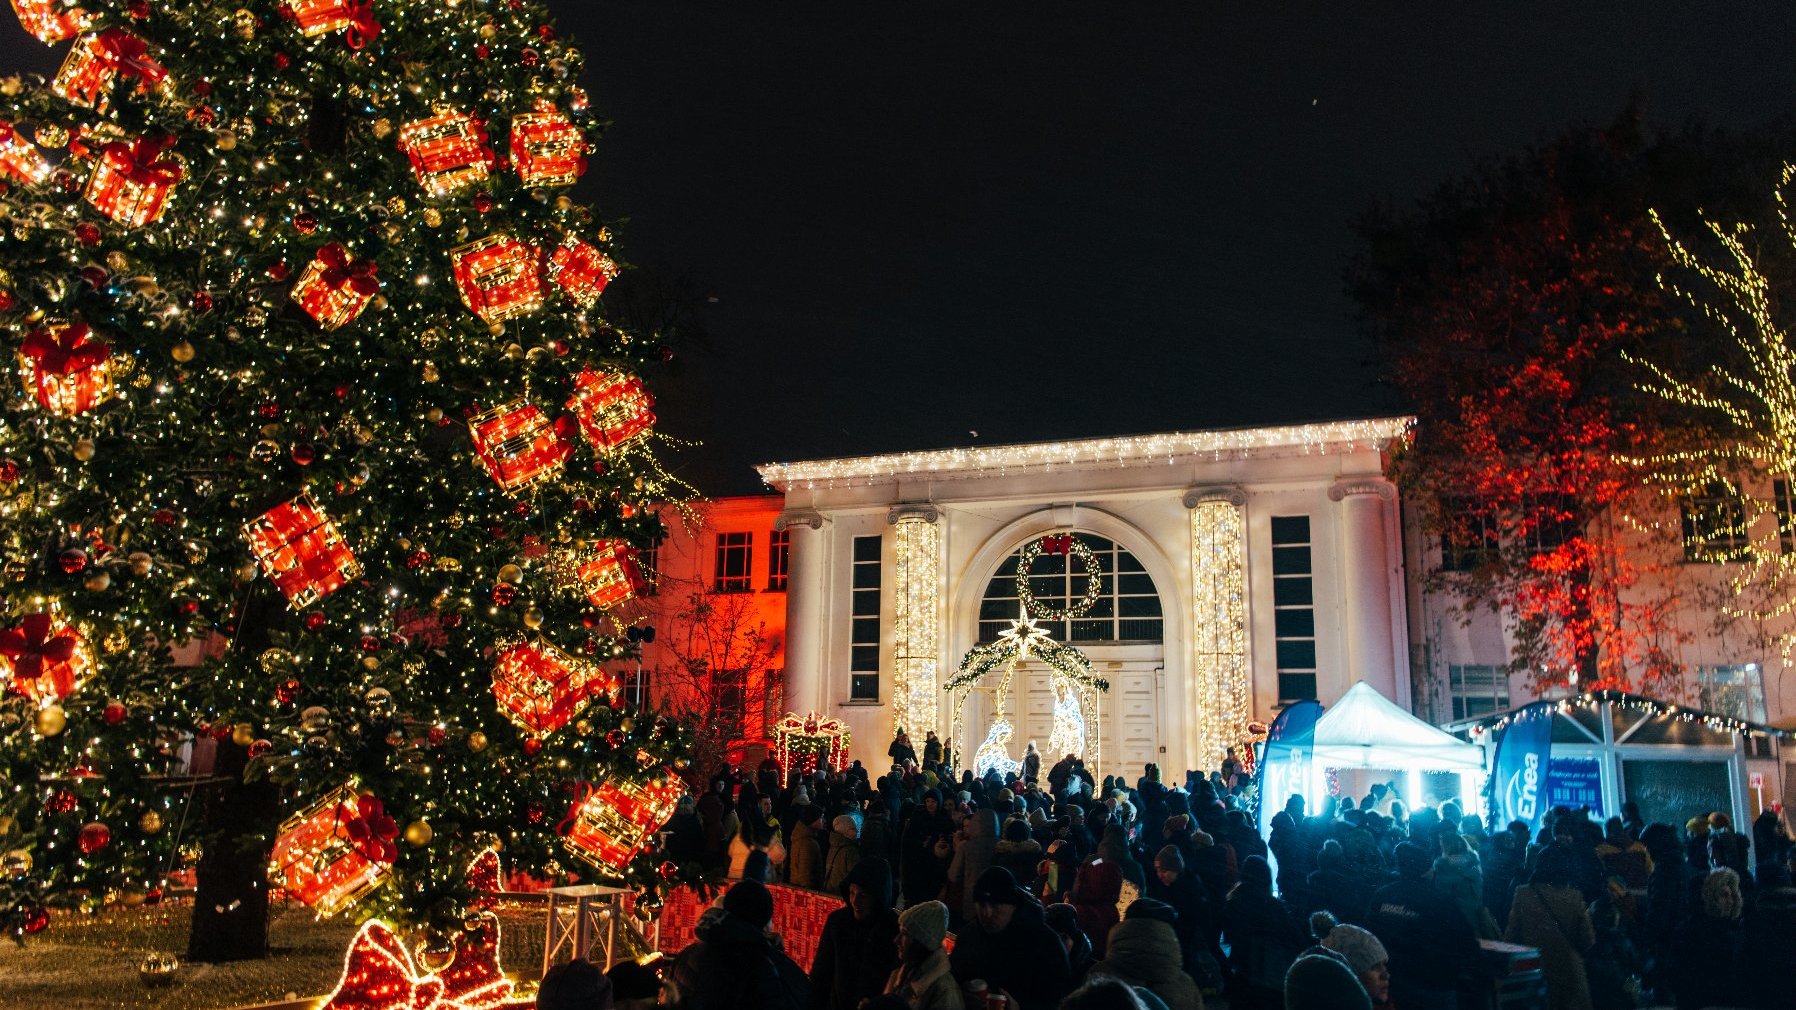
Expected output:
(994, 753)
(1068, 736)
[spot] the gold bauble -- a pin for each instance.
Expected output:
(533, 618)
(510, 573)
(243, 734)
(246, 571)
(16, 863)
(243, 22)
(118, 263)
(434, 958)
(583, 727)
(140, 562)
(50, 720)
(226, 140)
(564, 203)
(433, 217)
(276, 661)
(132, 896)
(395, 738)
(150, 823)
(434, 415)
(396, 205)
(429, 372)
(116, 641)
(371, 662)
(98, 581)
(84, 449)
(158, 968)
(418, 834)
(382, 127)
(182, 352)
(477, 741)
(626, 724)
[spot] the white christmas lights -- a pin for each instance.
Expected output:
(914, 625)
(1223, 700)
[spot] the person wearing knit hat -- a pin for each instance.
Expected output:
(1323, 982)
(1063, 919)
(1009, 946)
(844, 851)
(1366, 956)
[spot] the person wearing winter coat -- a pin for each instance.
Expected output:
(1708, 966)
(734, 964)
(1263, 938)
(1459, 879)
(1366, 956)
(1009, 946)
(923, 979)
(1612, 960)
(1430, 943)
(876, 830)
(973, 855)
(1018, 851)
(1323, 981)
(1548, 913)
(1624, 857)
(1335, 888)
(804, 859)
(857, 949)
(1767, 937)
(1063, 919)
(844, 852)
(1096, 890)
(1145, 952)
(1031, 763)
(1184, 894)
(920, 872)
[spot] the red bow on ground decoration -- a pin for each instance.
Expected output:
(64, 351)
(340, 269)
(31, 645)
(369, 829)
(1057, 544)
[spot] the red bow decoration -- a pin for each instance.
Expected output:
(583, 791)
(369, 829)
(378, 975)
(141, 160)
(362, 26)
(1060, 544)
(340, 269)
(65, 351)
(31, 645)
(127, 52)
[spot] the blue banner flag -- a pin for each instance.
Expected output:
(1518, 781)
(1284, 767)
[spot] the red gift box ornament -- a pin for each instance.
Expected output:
(96, 63)
(541, 687)
(607, 573)
(518, 446)
(547, 149)
(611, 823)
(580, 269)
(497, 277)
(612, 407)
(321, 17)
(66, 368)
(336, 288)
(301, 550)
(132, 181)
(447, 151)
(52, 21)
(334, 852)
(20, 159)
(45, 658)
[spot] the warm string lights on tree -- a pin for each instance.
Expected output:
(1725, 480)
(313, 378)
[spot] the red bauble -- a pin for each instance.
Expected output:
(533, 746)
(202, 301)
(482, 50)
(72, 560)
(615, 739)
(282, 61)
(189, 608)
(305, 223)
(417, 559)
(529, 57)
(277, 271)
(288, 691)
(667, 354)
(95, 276)
(534, 812)
(303, 453)
(139, 9)
(221, 731)
(202, 88)
(504, 594)
(668, 871)
(164, 517)
(258, 748)
(34, 919)
(7, 301)
(61, 802)
(483, 201)
(315, 620)
(546, 33)
(436, 735)
(94, 837)
(87, 233)
(114, 713)
(370, 643)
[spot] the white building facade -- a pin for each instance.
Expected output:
(1238, 570)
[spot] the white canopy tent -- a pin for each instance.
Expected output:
(1367, 730)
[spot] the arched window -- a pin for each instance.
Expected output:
(1127, 610)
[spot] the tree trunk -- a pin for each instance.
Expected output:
(237, 826)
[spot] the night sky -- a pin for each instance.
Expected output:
(908, 223)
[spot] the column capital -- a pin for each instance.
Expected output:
(1357, 486)
(810, 518)
(925, 511)
(1221, 492)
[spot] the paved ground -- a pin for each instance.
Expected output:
(90, 962)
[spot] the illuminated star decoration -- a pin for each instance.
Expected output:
(1025, 636)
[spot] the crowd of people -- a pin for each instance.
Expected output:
(1049, 888)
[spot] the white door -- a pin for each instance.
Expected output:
(1132, 720)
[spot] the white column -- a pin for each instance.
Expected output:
(1366, 582)
(1220, 697)
(916, 616)
(807, 606)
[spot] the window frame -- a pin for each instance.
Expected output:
(740, 575)
(1290, 676)
(1714, 545)
(1115, 562)
(1459, 697)
(866, 629)
(779, 560)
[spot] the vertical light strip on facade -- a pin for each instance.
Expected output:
(1222, 696)
(917, 601)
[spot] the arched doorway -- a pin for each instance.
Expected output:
(1123, 634)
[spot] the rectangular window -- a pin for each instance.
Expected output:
(735, 563)
(1715, 525)
(779, 560)
(1293, 608)
(1477, 690)
(1468, 535)
(1551, 522)
(649, 562)
(863, 631)
(731, 709)
(1737, 691)
(1786, 514)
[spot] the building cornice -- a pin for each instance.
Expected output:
(1362, 486)
(800, 517)
(1321, 438)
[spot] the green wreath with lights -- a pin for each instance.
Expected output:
(1072, 547)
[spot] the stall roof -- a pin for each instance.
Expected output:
(1638, 702)
(1367, 730)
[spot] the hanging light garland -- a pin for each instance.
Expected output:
(1070, 547)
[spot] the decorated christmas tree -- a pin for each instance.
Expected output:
(323, 471)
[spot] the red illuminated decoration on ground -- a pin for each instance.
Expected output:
(804, 742)
(614, 820)
(302, 551)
